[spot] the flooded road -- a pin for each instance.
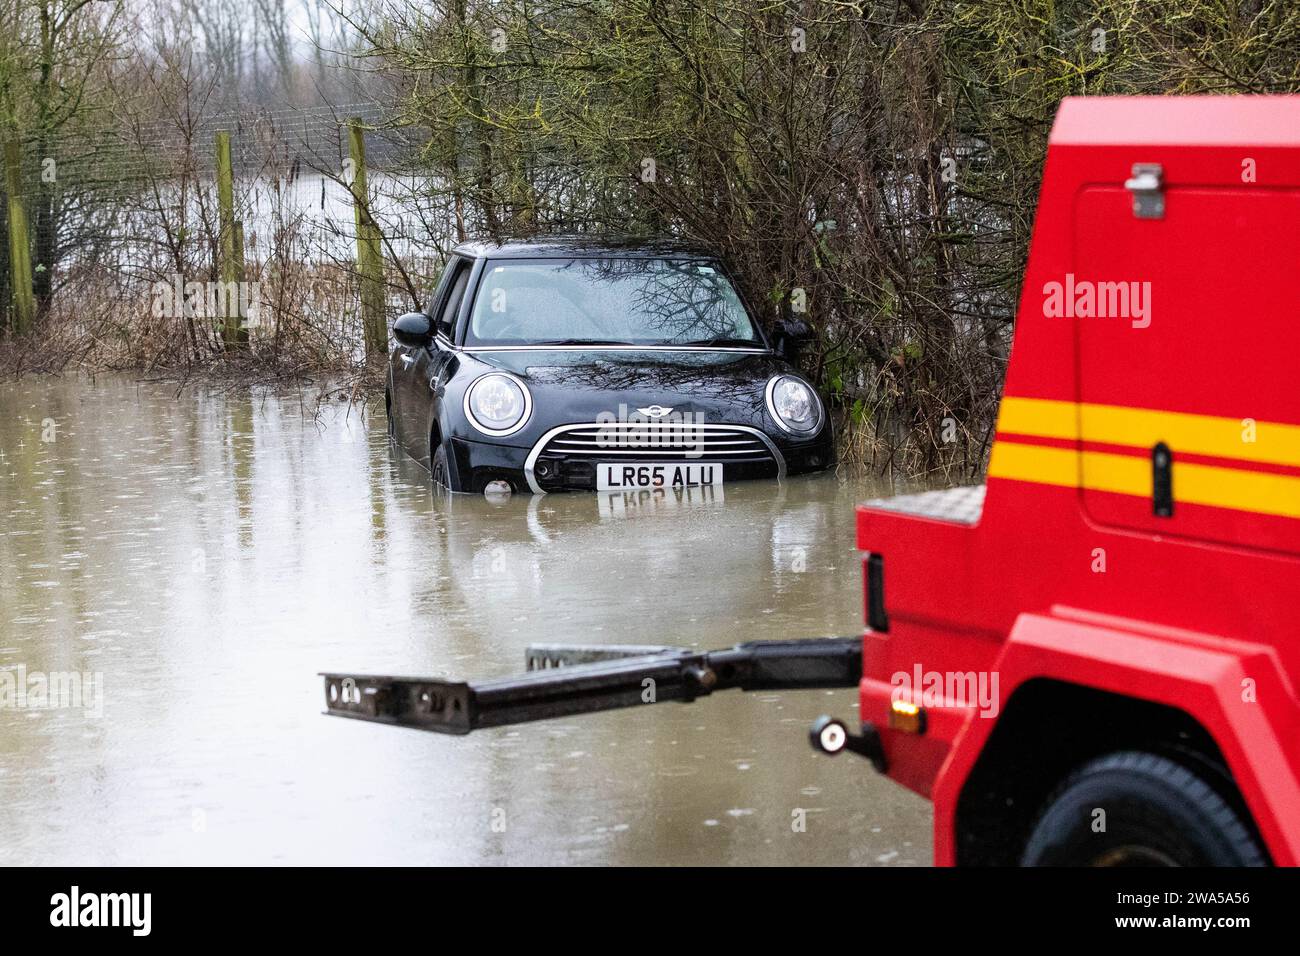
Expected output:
(190, 563)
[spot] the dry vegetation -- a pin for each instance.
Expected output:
(874, 165)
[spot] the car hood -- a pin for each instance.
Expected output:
(654, 360)
(724, 386)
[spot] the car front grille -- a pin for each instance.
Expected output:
(567, 457)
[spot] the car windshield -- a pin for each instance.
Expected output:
(632, 301)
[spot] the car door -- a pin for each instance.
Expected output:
(425, 367)
(409, 403)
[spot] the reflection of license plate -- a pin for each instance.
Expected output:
(618, 475)
(630, 503)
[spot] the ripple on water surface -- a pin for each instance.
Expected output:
(206, 555)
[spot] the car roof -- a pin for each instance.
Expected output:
(579, 247)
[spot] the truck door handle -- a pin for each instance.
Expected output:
(1162, 481)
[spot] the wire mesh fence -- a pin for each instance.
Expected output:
(135, 220)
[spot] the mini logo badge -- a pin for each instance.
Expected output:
(654, 411)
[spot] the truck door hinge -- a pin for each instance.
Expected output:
(1148, 189)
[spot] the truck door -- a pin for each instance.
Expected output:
(1191, 341)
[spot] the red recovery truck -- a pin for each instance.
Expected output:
(1092, 658)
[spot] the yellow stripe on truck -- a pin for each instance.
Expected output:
(1256, 491)
(1210, 485)
(1273, 443)
(1040, 417)
(1047, 466)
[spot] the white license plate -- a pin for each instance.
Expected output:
(620, 475)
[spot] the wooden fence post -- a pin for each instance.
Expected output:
(370, 262)
(230, 267)
(20, 250)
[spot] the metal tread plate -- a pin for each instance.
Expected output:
(958, 505)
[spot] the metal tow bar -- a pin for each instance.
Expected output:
(567, 679)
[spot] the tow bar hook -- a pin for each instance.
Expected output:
(830, 736)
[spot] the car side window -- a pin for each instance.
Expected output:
(430, 307)
(447, 317)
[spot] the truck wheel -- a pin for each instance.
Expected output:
(1156, 813)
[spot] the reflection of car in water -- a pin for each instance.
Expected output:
(513, 554)
(573, 364)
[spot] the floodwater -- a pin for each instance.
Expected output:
(175, 570)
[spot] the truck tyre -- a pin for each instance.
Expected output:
(1156, 813)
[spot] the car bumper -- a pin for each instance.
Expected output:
(542, 468)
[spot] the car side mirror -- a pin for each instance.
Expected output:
(414, 330)
(791, 336)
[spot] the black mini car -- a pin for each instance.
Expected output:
(572, 364)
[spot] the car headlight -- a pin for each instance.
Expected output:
(498, 404)
(793, 405)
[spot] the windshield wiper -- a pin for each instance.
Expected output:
(567, 342)
(723, 343)
(595, 343)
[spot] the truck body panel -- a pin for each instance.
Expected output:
(1136, 332)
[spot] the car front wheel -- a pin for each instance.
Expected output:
(438, 469)
(1134, 808)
